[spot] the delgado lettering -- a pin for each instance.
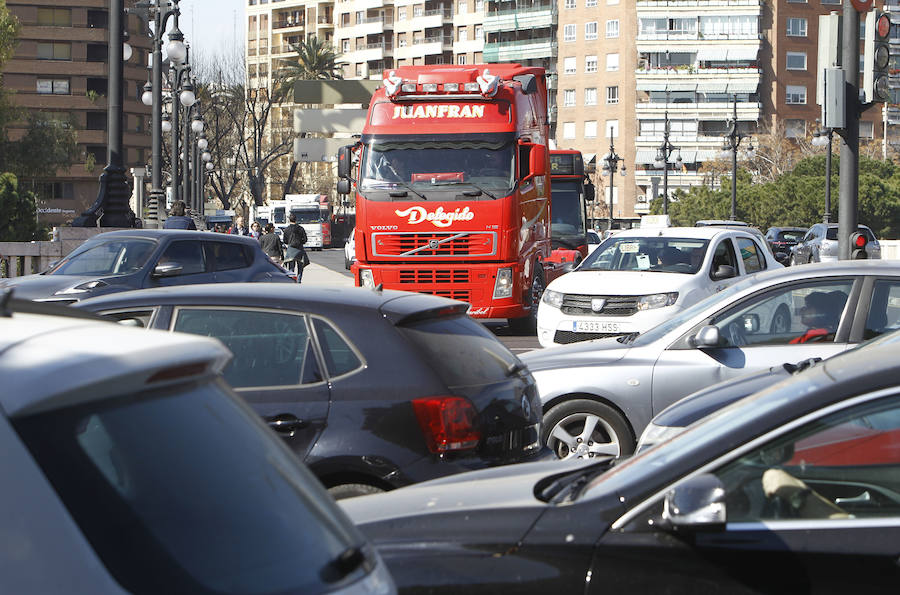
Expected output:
(439, 218)
(437, 111)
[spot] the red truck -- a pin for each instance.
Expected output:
(452, 187)
(571, 191)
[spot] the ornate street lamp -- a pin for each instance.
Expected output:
(662, 162)
(733, 140)
(610, 164)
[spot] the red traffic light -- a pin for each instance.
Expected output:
(858, 240)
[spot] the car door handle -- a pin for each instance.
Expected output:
(286, 423)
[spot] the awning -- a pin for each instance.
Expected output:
(651, 85)
(707, 156)
(743, 86)
(712, 87)
(653, 49)
(743, 53)
(718, 53)
(682, 86)
(686, 157)
(645, 156)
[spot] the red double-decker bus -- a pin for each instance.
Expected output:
(452, 191)
(571, 191)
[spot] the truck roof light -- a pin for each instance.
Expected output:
(392, 83)
(452, 87)
(430, 87)
(471, 87)
(488, 83)
(408, 87)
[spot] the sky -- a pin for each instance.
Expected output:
(211, 24)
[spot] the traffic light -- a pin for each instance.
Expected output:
(876, 83)
(858, 242)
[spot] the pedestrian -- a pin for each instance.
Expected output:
(177, 218)
(272, 245)
(255, 230)
(239, 228)
(295, 257)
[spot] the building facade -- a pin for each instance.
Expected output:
(60, 69)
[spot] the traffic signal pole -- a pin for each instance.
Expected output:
(849, 168)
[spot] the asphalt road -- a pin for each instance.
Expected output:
(333, 259)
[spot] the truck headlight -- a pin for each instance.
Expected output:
(553, 298)
(366, 278)
(503, 286)
(656, 300)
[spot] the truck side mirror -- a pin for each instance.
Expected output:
(345, 158)
(589, 191)
(538, 161)
(343, 186)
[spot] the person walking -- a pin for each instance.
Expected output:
(177, 218)
(272, 245)
(239, 228)
(295, 257)
(256, 230)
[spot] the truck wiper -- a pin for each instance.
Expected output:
(479, 189)
(404, 193)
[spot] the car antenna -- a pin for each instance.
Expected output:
(4, 302)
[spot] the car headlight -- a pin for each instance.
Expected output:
(366, 278)
(655, 434)
(656, 300)
(83, 287)
(503, 286)
(553, 298)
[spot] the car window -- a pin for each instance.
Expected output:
(270, 348)
(724, 255)
(790, 236)
(182, 492)
(188, 253)
(884, 309)
(752, 255)
(340, 357)
(229, 255)
(846, 465)
(802, 313)
(106, 258)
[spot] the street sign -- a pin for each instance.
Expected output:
(329, 120)
(334, 92)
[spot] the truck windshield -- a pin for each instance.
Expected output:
(468, 166)
(307, 215)
(567, 225)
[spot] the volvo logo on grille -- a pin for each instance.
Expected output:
(597, 304)
(434, 244)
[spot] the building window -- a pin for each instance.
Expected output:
(590, 3)
(462, 8)
(55, 190)
(461, 59)
(590, 63)
(590, 30)
(796, 61)
(401, 13)
(590, 129)
(796, 27)
(568, 130)
(479, 32)
(612, 62)
(345, 45)
(570, 3)
(590, 96)
(99, 19)
(54, 17)
(569, 98)
(479, 5)
(612, 28)
(462, 34)
(795, 128)
(96, 121)
(796, 95)
(53, 86)
(612, 95)
(568, 33)
(570, 65)
(867, 130)
(54, 51)
(418, 10)
(97, 52)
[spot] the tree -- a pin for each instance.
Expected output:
(316, 60)
(18, 212)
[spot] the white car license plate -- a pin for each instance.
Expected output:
(595, 326)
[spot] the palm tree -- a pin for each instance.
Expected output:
(316, 60)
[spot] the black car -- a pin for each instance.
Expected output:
(373, 390)
(782, 239)
(139, 258)
(794, 489)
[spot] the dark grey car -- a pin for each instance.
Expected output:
(141, 258)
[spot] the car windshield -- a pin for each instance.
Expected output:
(480, 166)
(791, 236)
(184, 491)
(656, 254)
(110, 257)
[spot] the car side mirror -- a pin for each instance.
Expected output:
(724, 272)
(167, 269)
(698, 503)
(708, 336)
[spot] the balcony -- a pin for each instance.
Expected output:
(430, 19)
(512, 51)
(289, 24)
(514, 20)
(371, 52)
(657, 4)
(371, 26)
(719, 110)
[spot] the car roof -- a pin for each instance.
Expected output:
(394, 305)
(181, 234)
(721, 222)
(704, 232)
(96, 359)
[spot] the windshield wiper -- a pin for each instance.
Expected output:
(629, 338)
(348, 560)
(473, 184)
(404, 193)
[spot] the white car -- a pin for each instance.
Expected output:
(639, 278)
(350, 249)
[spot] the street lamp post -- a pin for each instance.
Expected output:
(821, 138)
(610, 164)
(662, 161)
(182, 97)
(733, 140)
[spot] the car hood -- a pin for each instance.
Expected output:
(34, 287)
(574, 355)
(619, 282)
(501, 498)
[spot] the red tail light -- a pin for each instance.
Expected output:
(447, 422)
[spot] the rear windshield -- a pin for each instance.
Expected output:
(832, 233)
(461, 350)
(791, 236)
(186, 492)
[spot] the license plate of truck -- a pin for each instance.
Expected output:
(594, 326)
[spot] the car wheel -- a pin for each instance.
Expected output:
(346, 262)
(582, 428)
(351, 490)
(528, 324)
(781, 322)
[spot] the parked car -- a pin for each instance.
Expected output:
(130, 466)
(350, 250)
(139, 258)
(372, 389)
(598, 396)
(791, 490)
(782, 239)
(820, 244)
(642, 277)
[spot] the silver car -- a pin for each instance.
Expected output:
(820, 244)
(597, 396)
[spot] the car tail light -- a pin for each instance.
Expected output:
(447, 422)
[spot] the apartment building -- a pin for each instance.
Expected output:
(60, 68)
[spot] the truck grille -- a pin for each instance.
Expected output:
(566, 337)
(431, 245)
(463, 295)
(616, 305)
(433, 276)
